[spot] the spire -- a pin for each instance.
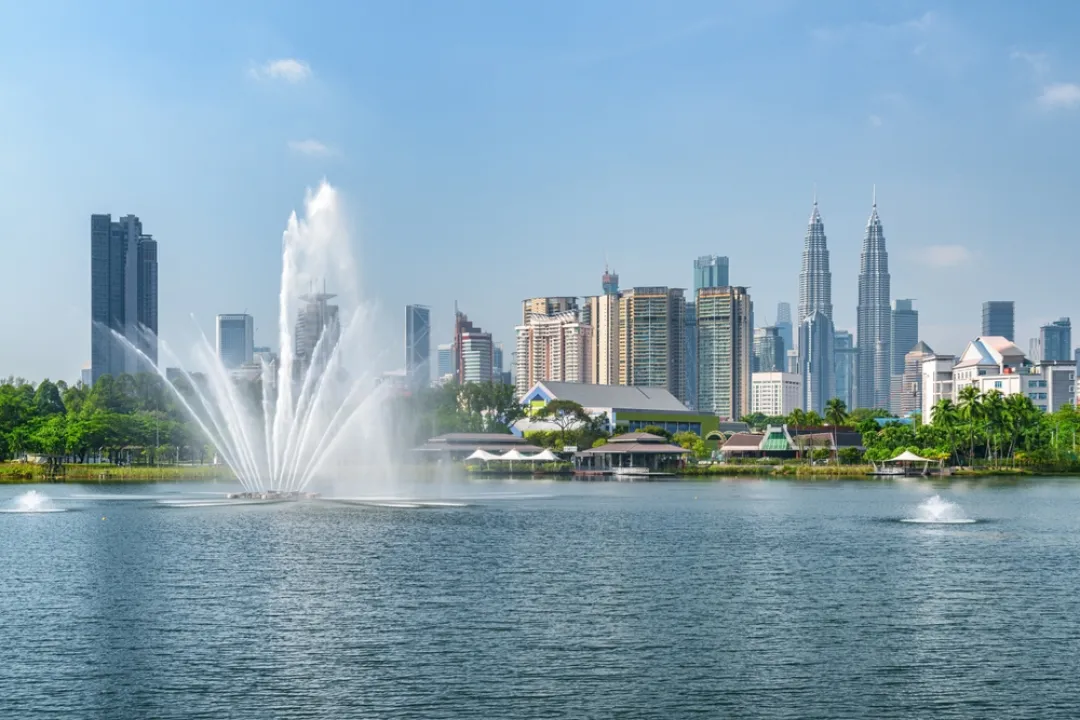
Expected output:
(875, 194)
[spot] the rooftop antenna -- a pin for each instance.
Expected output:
(875, 194)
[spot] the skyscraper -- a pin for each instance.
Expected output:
(546, 306)
(445, 360)
(123, 295)
(816, 364)
(602, 313)
(783, 324)
(316, 322)
(417, 346)
(651, 343)
(874, 318)
(770, 354)
(1056, 341)
(552, 347)
(710, 271)
(905, 335)
(691, 355)
(815, 280)
(911, 387)
(609, 281)
(998, 319)
(235, 340)
(845, 360)
(474, 353)
(725, 341)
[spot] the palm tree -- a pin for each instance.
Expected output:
(971, 411)
(993, 414)
(945, 416)
(796, 418)
(836, 412)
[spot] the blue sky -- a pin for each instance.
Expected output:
(492, 151)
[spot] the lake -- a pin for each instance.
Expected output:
(742, 598)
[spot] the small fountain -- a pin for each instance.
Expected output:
(32, 502)
(939, 511)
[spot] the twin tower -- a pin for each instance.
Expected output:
(874, 319)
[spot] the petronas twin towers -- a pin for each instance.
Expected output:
(874, 319)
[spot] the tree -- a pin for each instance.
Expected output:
(835, 412)
(47, 399)
(691, 441)
(970, 410)
(563, 414)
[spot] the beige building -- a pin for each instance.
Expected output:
(602, 313)
(545, 306)
(652, 347)
(909, 398)
(725, 340)
(553, 347)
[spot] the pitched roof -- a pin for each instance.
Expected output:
(629, 397)
(744, 441)
(638, 437)
(921, 347)
(989, 350)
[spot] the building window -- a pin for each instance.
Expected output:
(1042, 383)
(1042, 396)
(1032, 396)
(997, 383)
(1032, 383)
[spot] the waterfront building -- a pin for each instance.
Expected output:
(995, 363)
(936, 383)
(474, 352)
(775, 393)
(552, 347)
(998, 319)
(235, 340)
(770, 353)
(784, 326)
(123, 295)
(417, 346)
(910, 395)
(815, 279)
(710, 271)
(845, 361)
(874, 318)
(816, 365)
(1055, 340)
(724, 345)
(651, 343)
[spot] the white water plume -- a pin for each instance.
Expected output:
(32, 502)
(319, 408)
(938, 511)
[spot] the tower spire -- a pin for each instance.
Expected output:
(815, 194)
(875, 194)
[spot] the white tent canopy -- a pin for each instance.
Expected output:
(908, 456)
(545, 456)
(511, 455)
(482, 455)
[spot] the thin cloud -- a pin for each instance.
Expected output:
(310, 148)
(1038, 62)
(946, 256)
(1058, 96)
(876, 121)
(288, 70)
(928, 38)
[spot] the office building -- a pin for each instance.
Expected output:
(784, 326)
(123, 296)
(845, 361)
(816, 364)
(547, 306)
(474, 352)
(317, 332)
(235, 340)
(936, 383)
(793, 362)
(874, 318)
(417, 346)
(770, 353)
(552, 347)
(815, 279)
(998, 319)
(651, 343)
(725, 351)
(910, 395)
(710, 271)
(775, 393)
(1056, 341)
(905, 335)
(445, 360)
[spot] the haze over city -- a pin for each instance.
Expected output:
(488, 153)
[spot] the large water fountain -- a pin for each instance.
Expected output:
(318, 408)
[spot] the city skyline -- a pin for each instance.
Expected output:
(962, 115)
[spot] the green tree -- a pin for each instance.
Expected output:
(970, 410)
(836, 412)
(563, 414)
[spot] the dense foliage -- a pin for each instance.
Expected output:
(130, 416)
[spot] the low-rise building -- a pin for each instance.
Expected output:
(936, 383)
(775, 393)
(994, 363)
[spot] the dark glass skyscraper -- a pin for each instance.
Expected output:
(998, 319)
(905, 333)
(418, 346)
(1056, 341)
(783, 324)
(710, 271)
(874, 318)
(123, 295)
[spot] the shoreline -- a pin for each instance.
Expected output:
(29, 474)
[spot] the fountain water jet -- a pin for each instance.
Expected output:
(936, 510)
(32, 502)
(320, 404)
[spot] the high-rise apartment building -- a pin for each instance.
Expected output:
(770, 353)
(690, 354)
(235, 340)
(601, 312)
(710, 271)
(417, 346)
(905, 335)
(651, 343)
(445, 360)
(845, 361)
(546, 306)
(784, 326)
(816, 365)
(1055, 340)
(123, 295)
(874, 318)
(725, 343)
(474, 352)
(998, 319)
(556, 347)
(815, 279)
(910, 399)
(609, 282)
(317, 332)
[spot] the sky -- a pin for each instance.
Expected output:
(489, 151)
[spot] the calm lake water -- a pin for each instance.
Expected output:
(756, 599)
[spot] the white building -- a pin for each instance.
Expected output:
(775, 393)
(553, 347)
(936, 383)
(994, 363)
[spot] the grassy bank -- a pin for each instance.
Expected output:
(786, 470)
(30, 473)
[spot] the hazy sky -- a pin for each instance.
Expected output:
(491, 151)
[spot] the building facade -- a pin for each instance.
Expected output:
(417, 346)
(235, 340)
(784, 326)
(547, 306)
(317, 331)
(601, 312)
(123, 295)
(552, 348)
(710, 271)
(998, 319)
(690, 354)
(775, 393)
(815, 279)
(936, 384)
(725, 351)
(770, 353)
(651, 343)
(996, 364)
(845, 361)
(910, 396)
(816, 364)
(874, 319)
(445, 360)
(1055, 340)
(474, 352)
